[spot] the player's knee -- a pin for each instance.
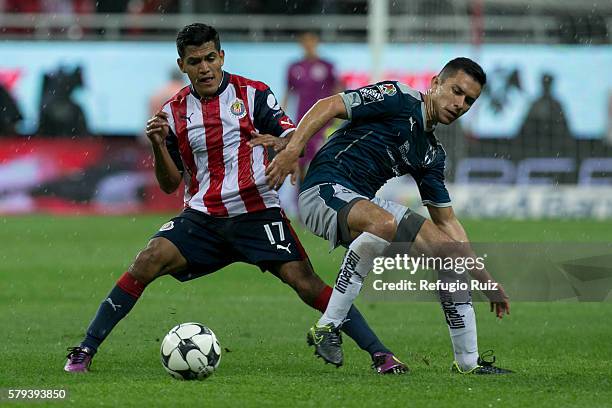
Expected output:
(149, 263)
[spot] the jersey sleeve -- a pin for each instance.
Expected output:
(379, 100)
(269, 117)
(432, 187)
(171, 140)
(173, 149)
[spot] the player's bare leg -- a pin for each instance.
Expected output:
(315, 293)
(159, 258)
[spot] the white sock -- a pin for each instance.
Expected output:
(461, 322)
(356, 265)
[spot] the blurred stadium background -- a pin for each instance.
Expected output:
(81, 77)
(533, 157)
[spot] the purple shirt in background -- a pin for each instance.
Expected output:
(310, 80)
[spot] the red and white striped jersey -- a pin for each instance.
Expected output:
(208, 137)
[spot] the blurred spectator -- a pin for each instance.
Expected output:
(545, 127)
(310, 79)
(162, 95)
(10, 115)
(167, 91)
(60, 115)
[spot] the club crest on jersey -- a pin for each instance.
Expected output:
(238, 109)
(387, 89)
(167, 226)
(371, 94)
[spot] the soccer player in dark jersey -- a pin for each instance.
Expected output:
(389, 133)
(201, 136)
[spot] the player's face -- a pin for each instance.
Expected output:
(454, 96)
(203, 64)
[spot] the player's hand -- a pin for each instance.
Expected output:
(284, 164)
(500, 303)
(157, 128)
(276, 143)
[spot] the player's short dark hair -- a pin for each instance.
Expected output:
(196, 34)
(466, 65)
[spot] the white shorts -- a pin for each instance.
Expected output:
(319, 207)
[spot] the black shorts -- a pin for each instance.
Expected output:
(263, 238)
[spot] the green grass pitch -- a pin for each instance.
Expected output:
(56, 270)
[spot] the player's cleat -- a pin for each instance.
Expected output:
(327, 341)
(483, 367)
(387, 363)
(79, 359)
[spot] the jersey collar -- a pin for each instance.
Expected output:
(424, 113)
(225, 77)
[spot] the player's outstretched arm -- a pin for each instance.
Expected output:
(266, 140)
(166, 172)
(286, 162)
(445, 220)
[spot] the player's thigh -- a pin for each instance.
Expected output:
(199, 245)
(325, 208)
(169, 255)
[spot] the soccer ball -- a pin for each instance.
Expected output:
(190, 351)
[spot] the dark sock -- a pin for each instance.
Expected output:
(115, 307)
(355, 326)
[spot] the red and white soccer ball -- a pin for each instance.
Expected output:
(190, 351)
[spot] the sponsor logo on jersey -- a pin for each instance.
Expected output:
(371, 94)
(286, 123)
(388, 89)
(238, 109)
(167, 226)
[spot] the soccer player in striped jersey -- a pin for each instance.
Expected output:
(202, 137)
(388, 133)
